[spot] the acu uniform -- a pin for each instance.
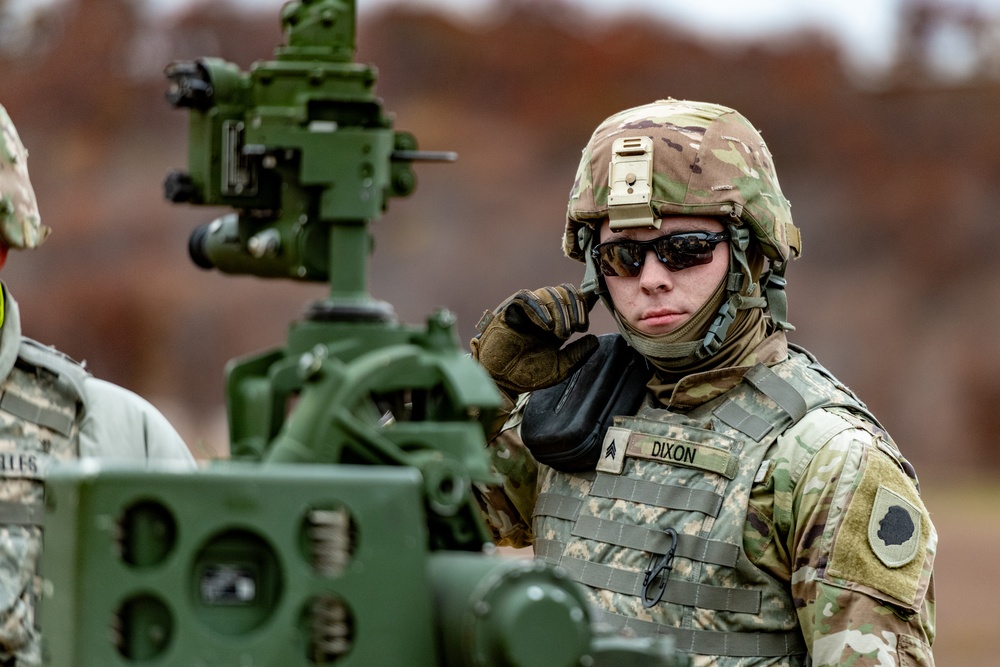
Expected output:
(812, 531)
(751, 508)
(50, 409)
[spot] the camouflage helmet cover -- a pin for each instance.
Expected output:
(20, 225)
(707, 160)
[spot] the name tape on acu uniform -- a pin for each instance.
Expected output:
(622, 442)
(24, 465)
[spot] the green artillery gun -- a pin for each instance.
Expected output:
(344, 530)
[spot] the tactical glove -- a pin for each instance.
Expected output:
(521, 344)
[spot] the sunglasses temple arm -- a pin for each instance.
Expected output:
(590, 287)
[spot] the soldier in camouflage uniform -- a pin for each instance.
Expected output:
(701, 476)
(50, 409)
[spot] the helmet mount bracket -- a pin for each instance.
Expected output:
(630, 179)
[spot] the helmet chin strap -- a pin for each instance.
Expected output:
(740, 297)
(735, 293)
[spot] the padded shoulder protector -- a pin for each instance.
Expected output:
(564, 425)
(69, 371)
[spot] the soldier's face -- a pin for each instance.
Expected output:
(659, 300)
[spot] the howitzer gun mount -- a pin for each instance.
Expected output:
(344, 530)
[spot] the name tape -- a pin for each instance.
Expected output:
(621, 442)
(23, 465)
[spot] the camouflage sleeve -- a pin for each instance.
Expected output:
(507, 507)
(860, 543)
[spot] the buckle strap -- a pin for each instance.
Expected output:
(656, 541)
(654, 494)
(711, 642)
(548, 551)
(778, 390)
(679, 592)
(36, 414)
(557, 505)
(13, 513)
(777, 300)
(733, 414)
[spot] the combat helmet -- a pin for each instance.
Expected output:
(20, 225)
(674, 157)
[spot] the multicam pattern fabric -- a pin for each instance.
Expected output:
(805, 514)
(20, 225)
(858, 610)
(707, 160)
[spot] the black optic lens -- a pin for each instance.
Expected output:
(679, 251)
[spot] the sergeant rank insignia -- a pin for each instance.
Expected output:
(894, 528)
(613, 450)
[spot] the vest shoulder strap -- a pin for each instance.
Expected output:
(795, 387)
(69, 371)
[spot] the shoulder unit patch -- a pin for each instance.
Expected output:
(894, 528)
(885, 534)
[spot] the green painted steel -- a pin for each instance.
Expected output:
(229, 566)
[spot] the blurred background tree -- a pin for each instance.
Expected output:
(891, 174)
(892, 171)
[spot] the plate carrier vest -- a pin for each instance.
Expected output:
(656, 532)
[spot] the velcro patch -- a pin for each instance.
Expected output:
(683, 453)
(621, 442)
(883, 536)
(613, 450)
(894, 528)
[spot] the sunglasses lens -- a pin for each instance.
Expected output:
(624, 259)
(620, 258)
(682, 251)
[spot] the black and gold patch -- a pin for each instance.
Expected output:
(894, 528)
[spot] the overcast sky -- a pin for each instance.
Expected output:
(866, 28)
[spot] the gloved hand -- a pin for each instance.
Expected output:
(521, 345)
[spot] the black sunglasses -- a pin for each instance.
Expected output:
(679, 251)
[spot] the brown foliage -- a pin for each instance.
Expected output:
(894, 191)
